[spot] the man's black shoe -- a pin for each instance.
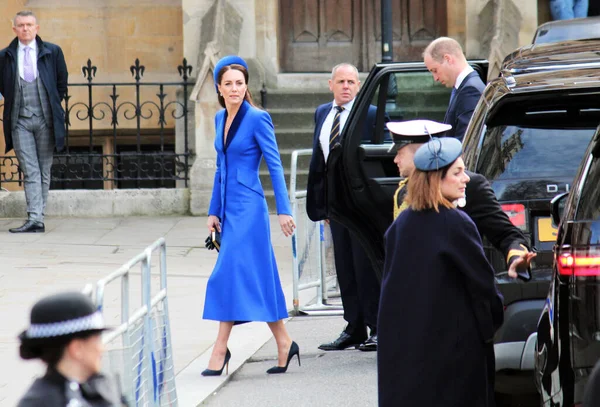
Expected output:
(369, 345)
(29, 227)
(343, 342)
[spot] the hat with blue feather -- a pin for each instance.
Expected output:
(437, 153)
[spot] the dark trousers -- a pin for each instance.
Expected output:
(358, 283)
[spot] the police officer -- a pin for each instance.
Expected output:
(65, 333)
(480, 202)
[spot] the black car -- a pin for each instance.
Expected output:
(527, 136)
(555, 56)
(570, 29)
(568, 344)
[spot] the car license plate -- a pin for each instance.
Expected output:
(546, 232)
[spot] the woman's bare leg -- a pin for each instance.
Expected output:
(220, 348)
(283, 341)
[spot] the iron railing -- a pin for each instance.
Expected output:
(121, 135)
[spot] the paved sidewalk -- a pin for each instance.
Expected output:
(325, 379)
(76, 251)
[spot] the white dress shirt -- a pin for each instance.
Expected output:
(32, 54)
(328, 123)
(461, 76)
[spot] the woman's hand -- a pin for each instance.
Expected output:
(287, 224)
(213, 223)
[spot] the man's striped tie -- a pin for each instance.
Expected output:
(334, 135)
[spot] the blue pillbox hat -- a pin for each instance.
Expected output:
(225, 61)
(437, 153)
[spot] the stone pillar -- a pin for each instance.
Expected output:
(494, 28)
(213, 29)
(267, 33)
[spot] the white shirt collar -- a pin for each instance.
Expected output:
(461, 76)
(347, 106)
(32, 45)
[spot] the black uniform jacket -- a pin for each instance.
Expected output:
(437, 314)
(485, 210)
(50, 391)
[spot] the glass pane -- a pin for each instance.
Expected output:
(516, 152)
(412, 95)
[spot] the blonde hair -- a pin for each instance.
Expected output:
(425, 190)
(442, 46)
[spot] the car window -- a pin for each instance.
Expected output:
(519, 152)
(589, 200)
(410, 95)
(550, 34)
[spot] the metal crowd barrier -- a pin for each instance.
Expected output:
(140, 348)
(312, 250)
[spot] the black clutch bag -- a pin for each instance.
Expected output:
(213, 241)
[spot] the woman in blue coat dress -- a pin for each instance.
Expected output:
(439, 307)
(244, 285)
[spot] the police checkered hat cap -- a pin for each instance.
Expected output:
(56, 318)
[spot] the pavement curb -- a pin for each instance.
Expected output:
(193, 388)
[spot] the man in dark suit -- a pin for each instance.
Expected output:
(33, 81)
(480, 204)
(445, 60)
(358, 283)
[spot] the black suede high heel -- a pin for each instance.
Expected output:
(210, 372)
(294, 351)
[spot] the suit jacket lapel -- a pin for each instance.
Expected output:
(235, 125)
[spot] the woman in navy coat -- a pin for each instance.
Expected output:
(244, 285)
(438, 306)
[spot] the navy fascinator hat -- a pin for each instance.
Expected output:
(437, 153)
(225, 61)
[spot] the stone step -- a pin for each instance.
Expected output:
(298, 98)
(294, 139)
(291, 118)
(286, 160)
(301, 179)
(308, 80)
(278, 99)
(303, 117)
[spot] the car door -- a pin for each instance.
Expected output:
(361, 174)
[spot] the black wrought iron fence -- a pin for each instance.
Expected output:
(120, 135)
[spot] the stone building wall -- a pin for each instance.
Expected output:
(112, 33)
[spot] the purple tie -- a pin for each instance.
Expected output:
(28, 74)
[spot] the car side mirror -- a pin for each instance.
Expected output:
(558, 204)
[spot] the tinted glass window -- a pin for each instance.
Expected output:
(410, 95)
(518, 152)
(567, 32)
(589, 200)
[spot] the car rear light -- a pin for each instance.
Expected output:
(517, 215)
(579, 263)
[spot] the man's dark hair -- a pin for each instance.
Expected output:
(24, 13)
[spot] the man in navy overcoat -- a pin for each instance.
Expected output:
(358, 283)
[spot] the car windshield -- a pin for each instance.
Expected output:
(516, 152)
(567, 32)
